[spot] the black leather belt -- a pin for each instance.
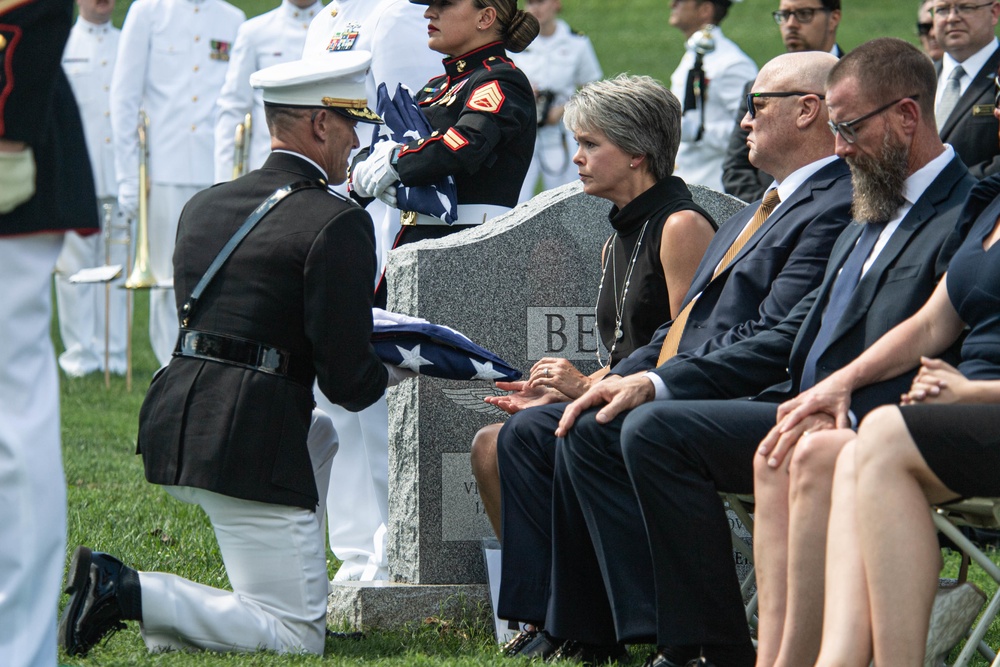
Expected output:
(235, 351)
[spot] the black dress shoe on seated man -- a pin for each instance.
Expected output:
(103, 593)
(658, 659)
(572, 651)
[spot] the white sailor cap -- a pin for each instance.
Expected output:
(335, 81)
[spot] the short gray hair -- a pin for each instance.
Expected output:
(636, 113)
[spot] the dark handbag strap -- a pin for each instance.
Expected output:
(265, 207)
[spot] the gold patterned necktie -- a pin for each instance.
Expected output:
(673, 339)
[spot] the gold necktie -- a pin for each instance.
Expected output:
(673, 338)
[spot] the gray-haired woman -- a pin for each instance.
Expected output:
(627, 130)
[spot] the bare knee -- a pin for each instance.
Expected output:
(813, 460)
(883, 440)
(484, 451)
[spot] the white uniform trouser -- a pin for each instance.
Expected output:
(358, 501)
(552, 160)
(82, 306)
(32, 486)
(165, 205)
(275, 557)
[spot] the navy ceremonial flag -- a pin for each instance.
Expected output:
(405, 122)
(431, 349)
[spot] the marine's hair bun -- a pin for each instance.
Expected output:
(520, 32)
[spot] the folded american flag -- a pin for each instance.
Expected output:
(405, 122)
(435, 350)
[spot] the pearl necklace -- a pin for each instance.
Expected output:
(619, 302)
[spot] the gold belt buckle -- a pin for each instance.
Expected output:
(408, 218)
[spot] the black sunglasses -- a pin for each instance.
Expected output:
(752, 109)
(924, 29)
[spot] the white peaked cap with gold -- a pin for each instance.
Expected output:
(335, 81)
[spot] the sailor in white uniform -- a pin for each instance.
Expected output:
(358, 503)
(727, 70)
(557, 62)
(274, 37)
(177, 52)
(89, 60)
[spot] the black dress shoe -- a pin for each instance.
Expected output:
(542, 646)
(103, 593)
(518, 642)
(659, 660)
(589, 654)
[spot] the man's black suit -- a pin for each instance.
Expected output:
(301, 282)
(781, 263)
(971, 128)
(645, 487)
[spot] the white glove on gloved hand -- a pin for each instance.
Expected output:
(397, 374)
(128, 198)
(372, 176)
(388, 196)
(17, 178)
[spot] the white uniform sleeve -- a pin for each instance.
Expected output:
(588, 68)
(127, 88)
(400, 53)
(235, 101)
(725, 93)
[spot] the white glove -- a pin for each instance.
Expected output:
(388, 196)
(397, 374)
(17, 178)
(128, 198)
(690, 122)
(375, 174)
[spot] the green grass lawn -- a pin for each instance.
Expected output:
(111, 507)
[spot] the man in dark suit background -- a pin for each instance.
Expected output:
(46, 188)
(781, 262)
(966, 73)
(225, 424)
(658, 453)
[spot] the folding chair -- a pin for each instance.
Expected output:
(974, 513)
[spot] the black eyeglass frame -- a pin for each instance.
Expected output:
(804, 15)
(961, 8)
(752, 109)
(846, 128)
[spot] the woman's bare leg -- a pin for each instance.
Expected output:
(486, 472)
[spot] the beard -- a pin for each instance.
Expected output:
(879, 182)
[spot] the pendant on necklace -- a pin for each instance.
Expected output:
(618, 333)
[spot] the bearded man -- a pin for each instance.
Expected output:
(656, 448)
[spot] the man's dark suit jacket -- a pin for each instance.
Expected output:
(902, 278)
(782, 263)
(300, 281)
(37, 107)
(971, 128)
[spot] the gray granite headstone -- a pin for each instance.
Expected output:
(522, 285)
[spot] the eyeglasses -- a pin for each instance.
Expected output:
(752, 108)
(963, 9)
(801, 15)
(846, 129)
(924, 29)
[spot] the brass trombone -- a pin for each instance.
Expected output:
(241, 147)
(142, 275)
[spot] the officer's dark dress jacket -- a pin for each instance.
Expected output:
(37, 107)
(301, 282)
(482, 110)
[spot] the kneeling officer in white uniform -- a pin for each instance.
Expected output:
(225, 424)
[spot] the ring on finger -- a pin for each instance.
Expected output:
(546, 372)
